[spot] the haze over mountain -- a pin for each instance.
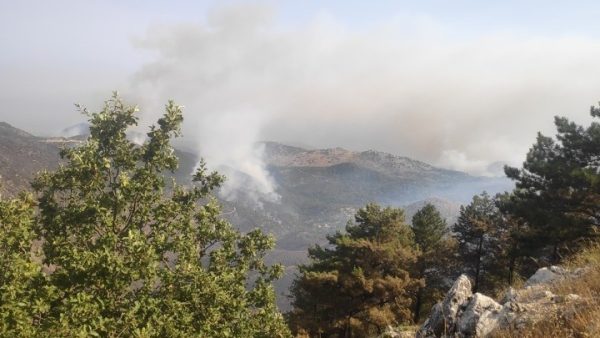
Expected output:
(317, 190)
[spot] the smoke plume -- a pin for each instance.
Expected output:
(408, 86)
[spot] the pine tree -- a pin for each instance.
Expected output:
(436, 255)
(476, 234)
(558, 189)
(514, 251)
(361, 282)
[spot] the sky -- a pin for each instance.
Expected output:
(460, 84)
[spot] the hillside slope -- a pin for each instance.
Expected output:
(322, 188)
(21, 156)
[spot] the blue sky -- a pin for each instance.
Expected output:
(461, 84)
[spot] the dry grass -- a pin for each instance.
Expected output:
(579, 318)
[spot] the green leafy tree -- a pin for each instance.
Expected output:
(23, 286)
(558, 189)
(132, 254)
(361, 281)
(434, 264)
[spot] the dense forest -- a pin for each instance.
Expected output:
(110, 245)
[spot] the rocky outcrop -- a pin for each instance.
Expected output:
(546, 275)
(480, 316)
(443, 317)
(463, 314)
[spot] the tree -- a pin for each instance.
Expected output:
(361, 282)
(135, 256)
(558, 189)
(476, 232)
(436, 255)
(514, 249)
(23, 288)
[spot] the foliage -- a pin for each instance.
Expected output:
(558, 189)
(434, 263)
(23, 288)
(136, 256)
(429, 228)
(478, 232)
(360, 283)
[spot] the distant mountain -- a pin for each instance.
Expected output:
(369, 175)
(319, 189)
(21, 156)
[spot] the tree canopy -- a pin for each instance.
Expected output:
(476, 232)
(435, 260)
(361, 281)
(558, 189)
(127, 252)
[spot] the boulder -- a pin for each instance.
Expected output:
(480, 317)
(546, 275)
(443, 317)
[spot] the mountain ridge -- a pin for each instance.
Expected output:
(279, 154)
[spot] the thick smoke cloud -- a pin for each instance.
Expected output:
(408, 87)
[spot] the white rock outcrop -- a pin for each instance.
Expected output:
(546, 275)
(444, 315)
(480, 316)
(462, 314)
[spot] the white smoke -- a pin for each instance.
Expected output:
(75, 130)
(408, 86)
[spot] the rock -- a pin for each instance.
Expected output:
(443, 317)
(462, 314)
(480, 317)
(546, 275)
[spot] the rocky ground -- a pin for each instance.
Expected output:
(464, 314)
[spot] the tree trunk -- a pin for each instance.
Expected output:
(347, 332)
(418, 304)
(556, 254)
(511, 270)
(478, 267)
